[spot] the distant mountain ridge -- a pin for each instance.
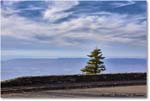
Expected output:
(60, 66)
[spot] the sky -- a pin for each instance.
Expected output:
(60, 29)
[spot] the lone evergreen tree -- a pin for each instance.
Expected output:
(95, 64)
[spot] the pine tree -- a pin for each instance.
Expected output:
(95, 64)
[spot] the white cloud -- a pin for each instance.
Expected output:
(122, 4)
(109, 27)
(57, 9)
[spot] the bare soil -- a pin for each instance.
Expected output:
(117, 91)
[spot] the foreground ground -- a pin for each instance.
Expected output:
(120, 91)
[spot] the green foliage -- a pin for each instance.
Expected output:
(95, 63)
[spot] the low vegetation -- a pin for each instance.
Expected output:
(22, 81)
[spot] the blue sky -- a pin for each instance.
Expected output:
(53, 29)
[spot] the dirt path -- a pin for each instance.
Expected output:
(122, 91)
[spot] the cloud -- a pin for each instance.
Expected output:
(56, 10)
(122, 4)
(77, 32)
(99, 28)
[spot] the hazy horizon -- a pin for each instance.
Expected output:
(66, 66)
(70, 58)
